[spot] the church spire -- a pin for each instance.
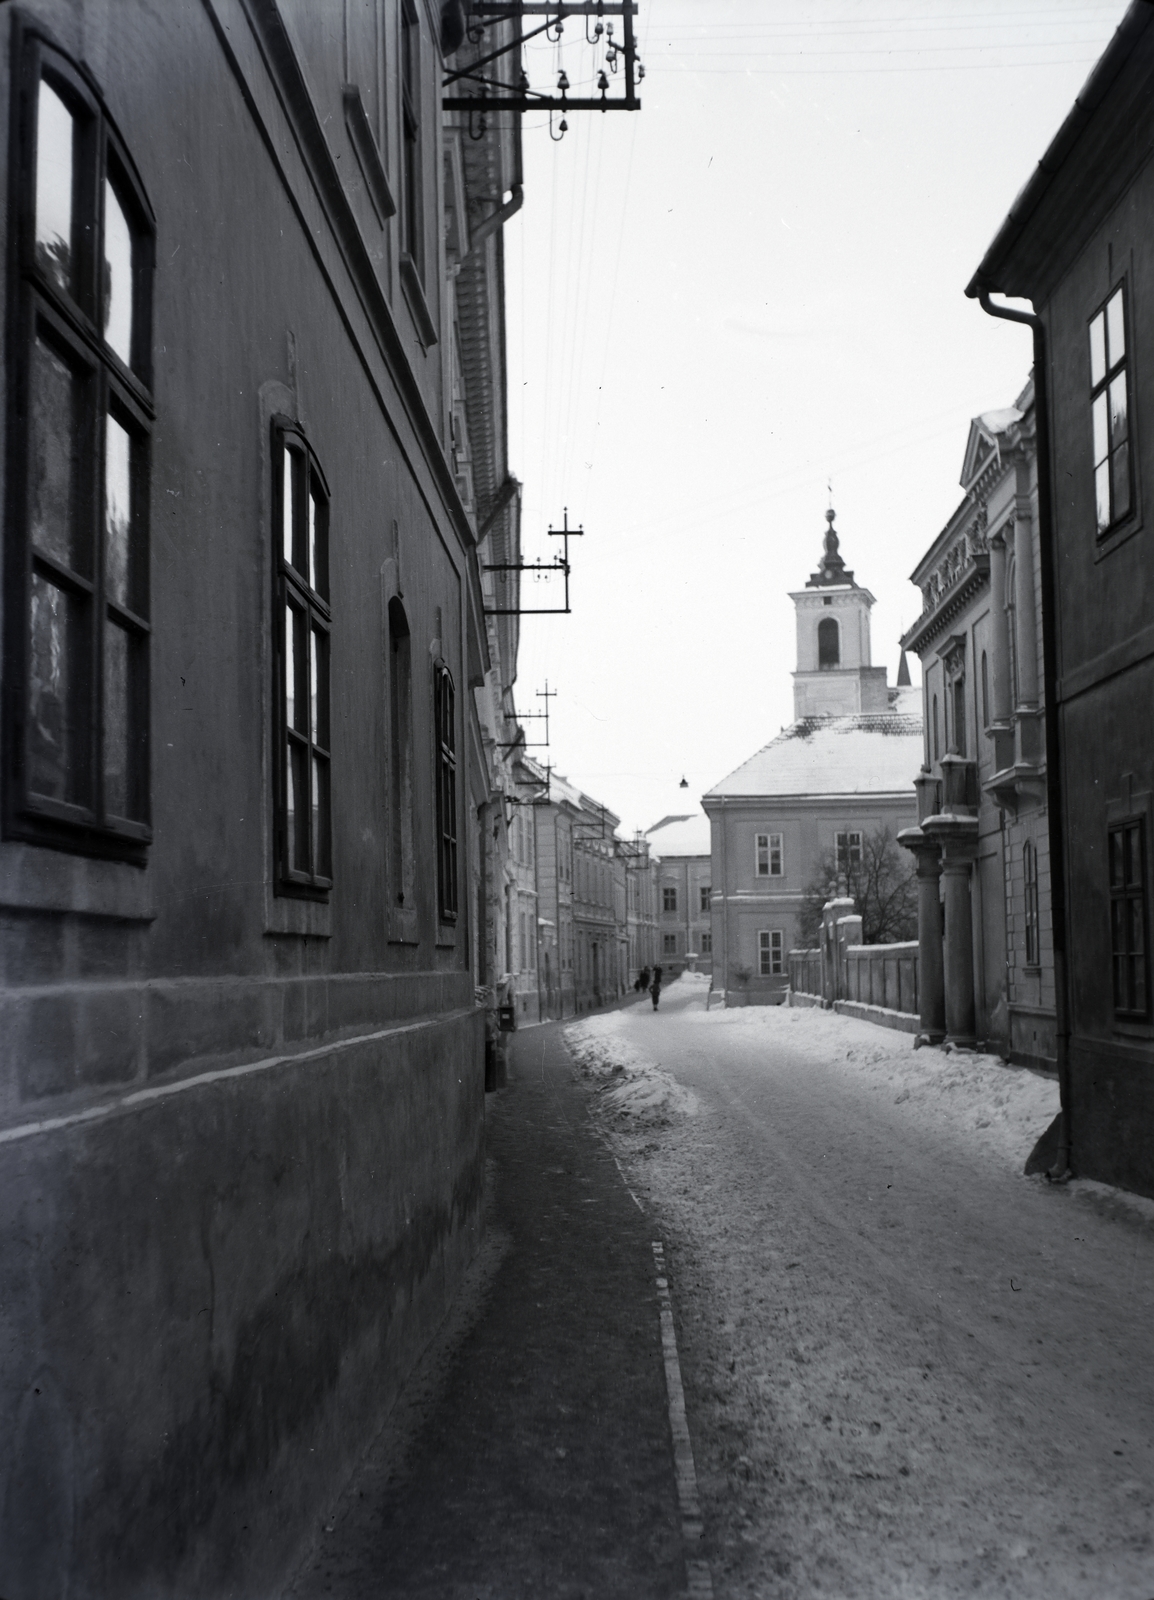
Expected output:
(831, 569)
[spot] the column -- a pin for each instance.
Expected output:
(1026, 637)
(959, 973)
(999, 634)
(931, 981)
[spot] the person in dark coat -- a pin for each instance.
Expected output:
(643, 980)
(655, 986)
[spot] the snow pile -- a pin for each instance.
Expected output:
(1002, 1110)
(636, 1089)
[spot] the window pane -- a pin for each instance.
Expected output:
(117, 512)
(58, 684)
(1120, 479)
(55, 425)
(318, 545)
(1115, 329)
(117, 307)
(297, 807)
(1098, 349)
(320, 688)
(296, 671)
(1102, 495)
(320, 817)
(117, 721)
(1118, 410)
(287, 505)
(1101, 429)
(54, 141)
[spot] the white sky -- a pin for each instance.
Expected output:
(717, 304)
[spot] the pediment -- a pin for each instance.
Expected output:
(981, 449)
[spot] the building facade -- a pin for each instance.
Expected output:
(682, 847)
(248, 681)
(842, 770)
(982, 842)
(1079, 244)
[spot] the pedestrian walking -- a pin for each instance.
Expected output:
(655, 986)
(643, 980)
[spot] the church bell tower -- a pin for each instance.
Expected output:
(834, 677)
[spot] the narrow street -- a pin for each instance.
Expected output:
(909, 1369)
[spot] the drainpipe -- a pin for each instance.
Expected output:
(1061, 1168)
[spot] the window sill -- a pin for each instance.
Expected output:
(446, 936)
(33, 878)
(418, 305)
(368, 156)
(310, 919)
(1106, 543)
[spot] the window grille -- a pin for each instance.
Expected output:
(771, 953)
(1030, 881)
(1109, 411)
(1128, 920)
(769, 855)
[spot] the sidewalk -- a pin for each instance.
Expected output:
(531, 1454)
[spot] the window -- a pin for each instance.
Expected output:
(705, 892)
(707, 944)
(411, 132)
(303, 625)
(76, 667)
(985, 692)
(828, 643)
(400, 757)
(958, 691)
(1109, 408)
(444, 712)
(937, 744)
(848, 851)
(1128, 919)
(669, 944)
(1030, 882)
(769, 855)
(668, 898)
(771, 953)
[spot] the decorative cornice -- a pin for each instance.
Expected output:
(966, 583)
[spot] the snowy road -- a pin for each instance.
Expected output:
(910, 1370)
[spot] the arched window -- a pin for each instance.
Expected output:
(985, 692)
(828, 643)
(1030, 881)
(937, 743)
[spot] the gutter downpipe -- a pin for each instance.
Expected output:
(1060, 1172)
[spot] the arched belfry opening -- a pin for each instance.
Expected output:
(828, 643)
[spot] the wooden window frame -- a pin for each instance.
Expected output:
(1132, 891)
(445, 748)
(411, 143)
(773, 851)
(1100, 388)
(845, 854)
(707, 943)
(669, 944)
(309, 600)
(668, 897)
(705, 892)
(770, 953)
(68, 323)
(1030, 903)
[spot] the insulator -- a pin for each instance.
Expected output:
(563, 83)
(602, 82)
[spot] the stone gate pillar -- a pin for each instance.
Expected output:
(959, 965)
(931, 979)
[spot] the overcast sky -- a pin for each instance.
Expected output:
(748, 290)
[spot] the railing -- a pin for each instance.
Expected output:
(883, 975)
(805, 971)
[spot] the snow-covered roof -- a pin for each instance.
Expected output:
(680, 836)
(999, 421)
(871, 753)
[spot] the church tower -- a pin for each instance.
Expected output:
(834, 677)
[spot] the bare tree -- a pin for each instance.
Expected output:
(882, 885)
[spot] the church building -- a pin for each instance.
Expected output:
(841, 771)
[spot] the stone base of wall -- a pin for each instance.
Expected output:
(213, 1290)
(903, 1021)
